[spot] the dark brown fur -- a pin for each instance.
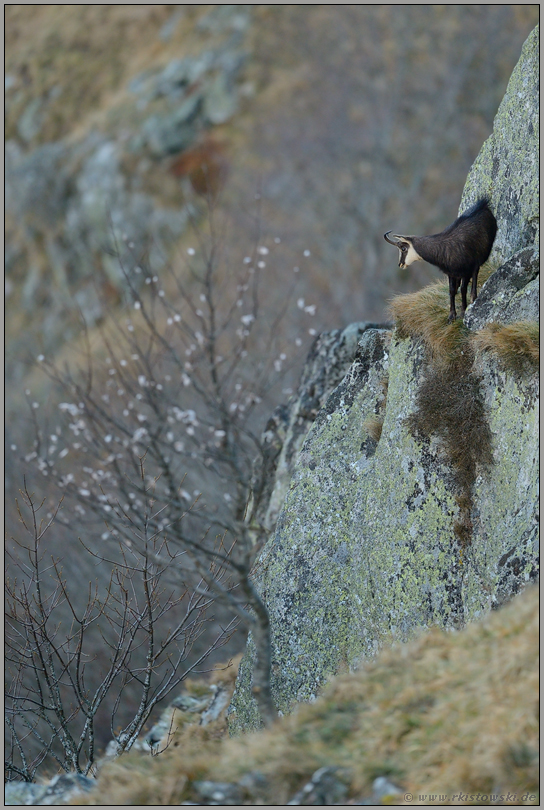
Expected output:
(460, 250)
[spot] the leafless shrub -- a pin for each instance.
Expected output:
(157, 430)
(56, 683)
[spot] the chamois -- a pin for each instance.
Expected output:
(459, 251)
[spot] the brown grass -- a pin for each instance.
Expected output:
(513, 344)
(373, 426)
(449, 405)
(448, 401)
(424, 315)
(450, 712)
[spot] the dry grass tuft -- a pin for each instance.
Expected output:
(373, 426)
(514, 344)
(448, 402)
(424, 315)
(448, 713)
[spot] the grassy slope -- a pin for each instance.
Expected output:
(449, 712)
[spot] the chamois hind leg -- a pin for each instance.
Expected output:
(474, 286)
(464, 288)
(454, 286)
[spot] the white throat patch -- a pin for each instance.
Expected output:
(411, 256)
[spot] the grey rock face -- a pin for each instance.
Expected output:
(174, 132)
(329, 360)
(37, 184)
(326, 787)
(220, 101)
(193, 93)
(367, 548)
(225, 17)
(21, 793)
(219, 793)
(510, 294)
(60, 790)
(30, 122)
(77, 201)
(78, 218)
(506, 169)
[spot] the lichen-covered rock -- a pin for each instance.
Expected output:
(510, 294)
(328, 361)
(508, 499)
(507, 167)
(365, 550)
(377, 539)
(506, 170)
(307, 573)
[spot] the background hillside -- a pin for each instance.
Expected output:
(347, 120)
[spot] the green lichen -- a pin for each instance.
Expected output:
(365, 550)
(507, 167)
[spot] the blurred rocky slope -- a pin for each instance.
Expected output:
(412, 499)
(448, 719)
(347, 118)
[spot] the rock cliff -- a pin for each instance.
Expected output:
(413, 500)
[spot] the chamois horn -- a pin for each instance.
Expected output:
(390, 240)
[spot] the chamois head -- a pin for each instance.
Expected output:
(407, 252)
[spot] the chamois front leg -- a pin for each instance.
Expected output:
(454, 286)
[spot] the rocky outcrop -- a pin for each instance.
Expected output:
(60, 790)
(511, 293)
(84, 220)
(383, 531)
(330, 358)
(506, 170)
(507, 167)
